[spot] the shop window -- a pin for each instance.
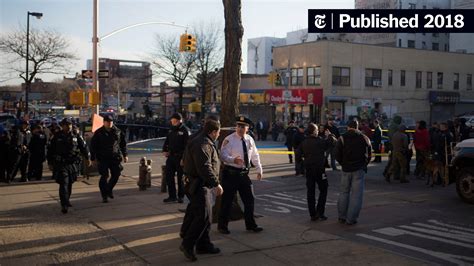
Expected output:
(456, 81)
(296, 76)
(411, 44)
(390, 77)
(418, 79)
(314, 76)
(469, 82)
(373, 77)
(429, 80)
(341, 76)
(440, 80)
(402, 78)
(435, 46)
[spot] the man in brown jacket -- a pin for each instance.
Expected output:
(400, 150)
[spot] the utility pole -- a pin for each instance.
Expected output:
(95, 60)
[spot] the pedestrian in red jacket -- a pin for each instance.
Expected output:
(421, 140)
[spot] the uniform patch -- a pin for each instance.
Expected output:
(74, 139)
(226, 141)
(180, 133)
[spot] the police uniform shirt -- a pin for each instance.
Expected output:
(232, 148)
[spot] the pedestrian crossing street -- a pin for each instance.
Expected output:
(434, 238)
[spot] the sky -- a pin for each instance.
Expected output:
(73, 19)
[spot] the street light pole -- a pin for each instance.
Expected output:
(27, 81)
(95, 60)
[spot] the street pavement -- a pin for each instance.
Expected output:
(400, 224)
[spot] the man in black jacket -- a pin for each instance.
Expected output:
(173, 150)
(353, 152)
(37, 149)
(19, 153)
(331, 126)
(312, 150)
(108, 146)
(289, 133)
(202, 168)
(298, 138)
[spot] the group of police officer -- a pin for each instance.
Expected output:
(199, 159)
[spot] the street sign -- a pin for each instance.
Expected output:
(104, 74)
(86, 74)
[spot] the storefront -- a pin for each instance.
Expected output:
(252, 104)
(303, 104)
(442, 105)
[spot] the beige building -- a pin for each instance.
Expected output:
(369, 80)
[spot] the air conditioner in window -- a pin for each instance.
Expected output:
(377, 83)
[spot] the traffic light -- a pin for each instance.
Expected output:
(94, 98)
(187, 43)
(77, 97)
(271, 78)
(277, 79)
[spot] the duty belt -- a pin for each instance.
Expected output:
(235, 170)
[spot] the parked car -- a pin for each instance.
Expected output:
(461, 170)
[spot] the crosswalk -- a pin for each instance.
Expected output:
(285, 202)
(434, 238)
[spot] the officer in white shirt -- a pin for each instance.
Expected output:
(238, 152)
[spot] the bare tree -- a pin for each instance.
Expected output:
(232, 64)
(59, 90)
(171, 64)
(209, 55)
(48, 53)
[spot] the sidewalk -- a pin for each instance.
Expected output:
(137, 228)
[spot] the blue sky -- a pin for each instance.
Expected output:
(73, 18)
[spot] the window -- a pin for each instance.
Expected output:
(456, 81)
(313, 75)
(411, 6)
(440, 80)
(435, 34)
(423, 45)
(469, 82)
(418, 79)
(402, 78)
(296, 76)
(429, 80)
(399, 42)
(424, 7)
(435, 46)
(411, 44)
(446, 47)
(341, 76)
(373, 77)
(390, 77)
(271, 62)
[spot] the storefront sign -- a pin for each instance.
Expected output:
(298, 96)
(443, 97)
(252, 96)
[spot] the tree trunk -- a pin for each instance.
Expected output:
(180, 99)
(232, 64)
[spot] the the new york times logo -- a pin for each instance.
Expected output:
(391, 20)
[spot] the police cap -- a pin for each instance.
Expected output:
(243, 120)
(108, 118)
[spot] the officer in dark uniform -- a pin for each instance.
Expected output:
(238, 151)
(298, 138)
(201, 165)
(64, 151)
(289, 133)
(37, 149)
(108, 146)
(4, 146)
(20, 139)
(173, 149)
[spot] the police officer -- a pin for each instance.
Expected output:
(202, 168)
(312, 150)
(173, 150)
(37, 149)
(108, 147)
(237, 152)
(64, 151)
(4, 146)
(20, 139)
(289, 133)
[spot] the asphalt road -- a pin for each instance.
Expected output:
(430, 224)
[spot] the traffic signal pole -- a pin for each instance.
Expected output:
(95, 59)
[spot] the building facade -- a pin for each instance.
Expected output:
(376, 81)
(462, 42)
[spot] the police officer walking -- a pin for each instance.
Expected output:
(173, 150)
(20, 139)
(312, 150)
(37, 149)
(109, 148)
(202, 168)
(237, 152)
(65, 149)
(289, 133)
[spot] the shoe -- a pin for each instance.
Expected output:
(169, 200)
(404, 181)
(69, 204)
(189, 254)
(105, 200)
(23, 180)
(212, 250)
(341, 221)
(64, 209)
(323, 218)
(223, 231)
(180, 200)
(111, 195)
(351, 223)
(314, 218)
(256, 229)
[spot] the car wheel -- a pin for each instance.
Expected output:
(465, 184)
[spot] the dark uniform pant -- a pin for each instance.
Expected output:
(35, 167)
(173, 165)
(19, 162)
(65, 176)
(290, 156)
(106, 187)
(233, 181)
(196, 233)
(377, 150)
(314, 176)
